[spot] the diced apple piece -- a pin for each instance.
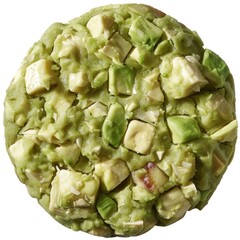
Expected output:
(157, 176)
(151, 178)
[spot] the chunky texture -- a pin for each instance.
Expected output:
(120, 120)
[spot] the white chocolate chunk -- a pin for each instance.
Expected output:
(111, 173)
(39, 76)
(117, 48)
(139, 136)
(20, 151)
(98, 110)
(99, 25)
(77, 81)
(155, 93)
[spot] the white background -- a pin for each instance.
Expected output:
(22, 22)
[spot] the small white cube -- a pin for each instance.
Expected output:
(98, 110)
(39, 76)
(77, 81)
(111, 173)
(139, 136)
(99, 24)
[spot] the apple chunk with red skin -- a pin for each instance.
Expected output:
(150, 177)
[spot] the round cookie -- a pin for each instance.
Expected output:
(120, 120)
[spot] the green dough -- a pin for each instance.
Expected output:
(120, 120)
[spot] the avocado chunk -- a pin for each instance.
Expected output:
(172, 206)
(226, 134)
(163, 48)
(106, 206)
(145, 33)
(111, 173)
(215, 69)
(183, 128)
(169, 25)
(121, 79)
(183, 78)
(40, 76)
(115, 125)
(139, 137)
(99, 79)
(73, 189)
(117, 48)
(141, 56)
(186, 43)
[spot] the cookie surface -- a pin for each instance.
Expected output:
(120, 120)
